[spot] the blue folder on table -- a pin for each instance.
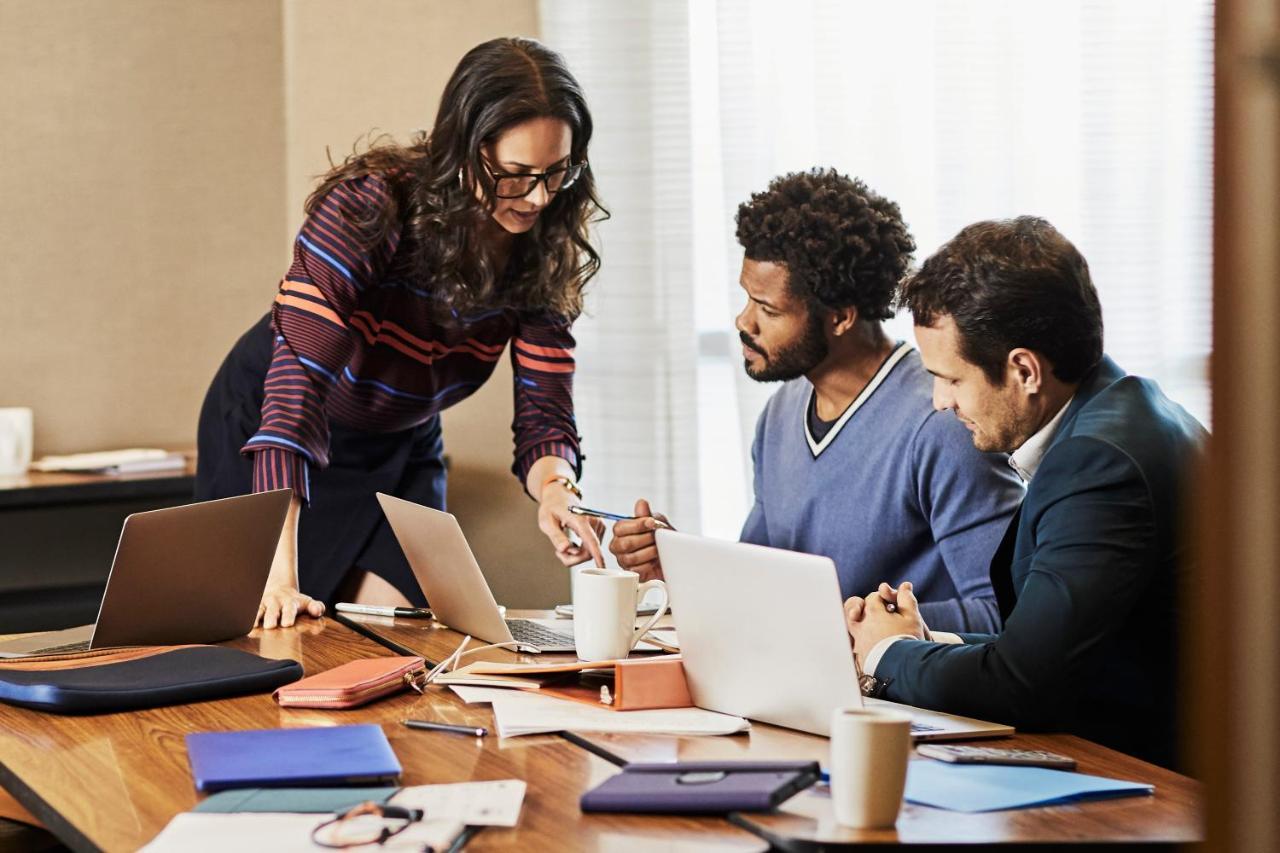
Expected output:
(988, 787)
(276, 758)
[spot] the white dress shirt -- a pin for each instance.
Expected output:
(1025, 460)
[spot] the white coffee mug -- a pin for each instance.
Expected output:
(604, 612)
(869, 754)
(15, 441)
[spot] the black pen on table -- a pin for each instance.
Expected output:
(477, 731)
(379, 610)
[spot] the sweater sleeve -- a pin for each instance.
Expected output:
(755, 530)
(313, 341)
(542, 367)
(968, 497)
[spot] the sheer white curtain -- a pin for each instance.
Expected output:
(1096, 115)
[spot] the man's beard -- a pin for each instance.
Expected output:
(792, 361)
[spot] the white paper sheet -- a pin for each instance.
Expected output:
(200, 832)
(475, 803)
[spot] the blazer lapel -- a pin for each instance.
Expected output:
(1001, 563)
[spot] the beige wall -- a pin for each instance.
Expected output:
(156, 155)
(142, 153)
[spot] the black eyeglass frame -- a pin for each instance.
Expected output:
(386, 812)
(572, 173)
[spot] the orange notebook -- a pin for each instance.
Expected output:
(631, 684)
(352, 684)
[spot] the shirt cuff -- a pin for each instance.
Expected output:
(276, 468)
(566, 451)
(946, 637)
(872, 660)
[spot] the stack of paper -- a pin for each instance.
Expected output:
(134, 460)
(517, 712)
(449, 809)
(205, 832)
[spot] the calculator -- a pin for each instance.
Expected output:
(958, 754)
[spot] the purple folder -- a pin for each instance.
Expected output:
(701, 787)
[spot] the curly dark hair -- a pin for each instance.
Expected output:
(498, 84)
(843, 244)
(1007, 284)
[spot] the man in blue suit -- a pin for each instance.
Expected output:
(1088, 575)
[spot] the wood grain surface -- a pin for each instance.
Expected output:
(1171, 815)
(113, 781)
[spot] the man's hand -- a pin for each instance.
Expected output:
(281, 605)
(634, 544)
(869, 620)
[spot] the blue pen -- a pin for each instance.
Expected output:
(611, 516)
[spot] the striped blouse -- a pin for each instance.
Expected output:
(360, 345)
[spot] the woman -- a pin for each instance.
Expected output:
(415, 267)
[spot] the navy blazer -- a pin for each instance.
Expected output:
(1087, 581)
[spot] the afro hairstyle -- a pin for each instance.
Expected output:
(842, 244)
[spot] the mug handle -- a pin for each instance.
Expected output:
(662, 611)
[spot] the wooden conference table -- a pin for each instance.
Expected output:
(113, 781)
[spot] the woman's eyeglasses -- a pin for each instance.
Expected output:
(367, 823)
(513, 185)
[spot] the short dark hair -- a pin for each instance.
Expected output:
(1012, 283)
(842, 244)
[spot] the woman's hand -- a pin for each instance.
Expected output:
(554, 519)
(281, 600)
(281, 606)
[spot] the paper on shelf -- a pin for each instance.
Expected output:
(517, 712)
(128, 461)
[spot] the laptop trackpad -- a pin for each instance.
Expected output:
(26, 646)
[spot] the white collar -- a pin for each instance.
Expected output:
(816, 447)
(1026, 459)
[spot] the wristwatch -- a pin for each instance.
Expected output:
(872, 686)
(869, 684)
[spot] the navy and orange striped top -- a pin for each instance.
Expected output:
(363, 346)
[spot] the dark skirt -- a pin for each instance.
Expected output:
(343, 527)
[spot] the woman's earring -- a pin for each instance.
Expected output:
(460, 184)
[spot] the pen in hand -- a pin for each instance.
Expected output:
(477, 731)
(612, 516)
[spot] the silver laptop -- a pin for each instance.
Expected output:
(762, 636)
(452, 581)
(187, 574)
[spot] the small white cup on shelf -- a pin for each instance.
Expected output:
(15, 441)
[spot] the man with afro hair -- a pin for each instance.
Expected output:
(851, 460)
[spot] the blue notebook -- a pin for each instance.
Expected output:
(988, 787)
(277, 758)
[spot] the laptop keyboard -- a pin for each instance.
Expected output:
(921, 728)
(532, 634)
(80, 646)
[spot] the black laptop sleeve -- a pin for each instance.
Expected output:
(130, 679)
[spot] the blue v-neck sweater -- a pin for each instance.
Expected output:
(895, 491)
